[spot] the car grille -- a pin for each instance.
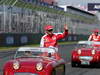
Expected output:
(21, 73)
(86, 58)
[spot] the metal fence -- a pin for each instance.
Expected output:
(23, 20)
(14, 19)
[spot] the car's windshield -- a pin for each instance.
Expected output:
(34, 52)
(83, 46)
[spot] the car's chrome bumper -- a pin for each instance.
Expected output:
(19, 73)
(85, 58)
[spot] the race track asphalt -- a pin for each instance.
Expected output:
(65, 52)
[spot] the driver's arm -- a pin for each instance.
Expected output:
(63, 35)
(42, 42)
(90, 38)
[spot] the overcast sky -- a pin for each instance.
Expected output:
(77, 2)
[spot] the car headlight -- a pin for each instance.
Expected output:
(79, 51)
(16, 65)
(39, 66)
(93, 52)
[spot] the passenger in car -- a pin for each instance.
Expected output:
(28, 53)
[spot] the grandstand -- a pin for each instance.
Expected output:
(29, 16)
(82, 26)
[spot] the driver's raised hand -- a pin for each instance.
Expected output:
(65, 26)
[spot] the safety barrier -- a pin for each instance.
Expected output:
(19, 39)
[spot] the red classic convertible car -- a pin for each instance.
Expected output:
(86, 53)
(35, 61)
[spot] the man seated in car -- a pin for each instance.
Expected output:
(28, 53)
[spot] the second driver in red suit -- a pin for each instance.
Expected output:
(94, 36)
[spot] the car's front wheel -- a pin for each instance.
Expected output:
(57, 70)
(64, 70)
(54, 72)
(74, 64)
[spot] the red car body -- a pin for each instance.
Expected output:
(41, 65)
(88, 55)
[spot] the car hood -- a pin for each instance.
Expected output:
(31, 61)
(85, 51)
(29, 64)
(88, 51)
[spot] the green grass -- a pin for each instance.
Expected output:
(32, 45)
(61, 43)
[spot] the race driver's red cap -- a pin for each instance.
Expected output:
(48, 27)
(95, 30)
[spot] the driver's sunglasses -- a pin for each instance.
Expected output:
(50, 30)
(96, 32)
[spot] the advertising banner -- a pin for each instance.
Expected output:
(9, 40)
(93, 6)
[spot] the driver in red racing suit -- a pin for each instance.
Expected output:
(50, 39)
(94, 36)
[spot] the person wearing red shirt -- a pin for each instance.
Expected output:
(50, 39)
(94, 36)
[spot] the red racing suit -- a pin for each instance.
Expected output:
(51, 40)
(93, 37)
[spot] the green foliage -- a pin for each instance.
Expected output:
(9, 48)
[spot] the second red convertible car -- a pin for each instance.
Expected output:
(86, 53)
(35, 61)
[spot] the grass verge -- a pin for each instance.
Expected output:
(32, 45)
